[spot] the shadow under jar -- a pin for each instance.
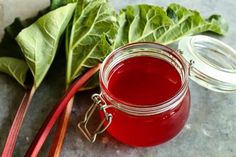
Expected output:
(145, 98)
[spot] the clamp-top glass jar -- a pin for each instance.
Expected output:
(144, 120)
(144, 99)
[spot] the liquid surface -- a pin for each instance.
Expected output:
(144, 81)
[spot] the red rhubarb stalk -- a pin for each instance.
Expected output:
(58, 139)
(56, 112)
(17, 123)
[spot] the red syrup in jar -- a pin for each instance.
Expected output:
(146, 81)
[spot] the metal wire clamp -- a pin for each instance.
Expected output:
(97, 102)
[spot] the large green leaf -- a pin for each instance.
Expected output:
(39, 41)
(141, 23)
(16, 68)
(188, 22)
(94, 25)
(58, 3)
(152, 23)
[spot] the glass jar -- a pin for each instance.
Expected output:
(153, 124)
(144, 125)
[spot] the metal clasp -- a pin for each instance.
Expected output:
(97, 102)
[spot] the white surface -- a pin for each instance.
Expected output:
(9, 9)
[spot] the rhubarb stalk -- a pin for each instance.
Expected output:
(17, 123)
(56, 112)
(58, 140)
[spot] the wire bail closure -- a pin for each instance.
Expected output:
(97, 102)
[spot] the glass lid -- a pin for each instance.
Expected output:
(212, 63)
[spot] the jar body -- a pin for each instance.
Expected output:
(143, 131)
(145, 124)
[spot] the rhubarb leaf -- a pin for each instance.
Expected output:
(39, 41)
(154, 24)
(141, 23)
(93, 28)
(16, 68)
(58, 3)
(188, 22)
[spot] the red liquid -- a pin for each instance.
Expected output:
(146, 81)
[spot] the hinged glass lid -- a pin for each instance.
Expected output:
(212, 63)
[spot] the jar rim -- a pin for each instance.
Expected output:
(146, 108)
